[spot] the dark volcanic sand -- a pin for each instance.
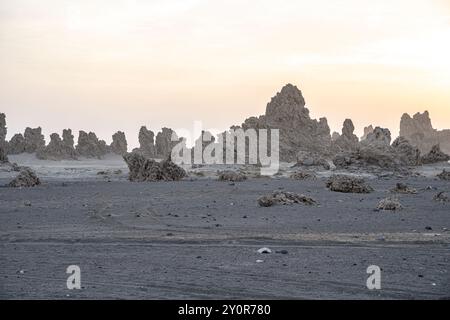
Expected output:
(198, 239)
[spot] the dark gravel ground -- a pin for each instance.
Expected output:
(198, 239)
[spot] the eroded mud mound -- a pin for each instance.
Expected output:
(302, 175)
(389, 204)
(285, 198)
(435, 155)
(145, 169)
(26, 178)
(444, 175)
(403, 188)
(348, 184)
(233, 176)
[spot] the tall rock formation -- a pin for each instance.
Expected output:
(3, 131)
(298, 132)
(90, 146)
(347, 141)
(17, 144)
(147, 142)
(57, 148)
(34, 139)
(164, 143)
(420, 132)
(119, 143)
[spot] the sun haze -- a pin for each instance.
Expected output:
(116, 65)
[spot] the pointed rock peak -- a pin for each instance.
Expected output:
(289, 91)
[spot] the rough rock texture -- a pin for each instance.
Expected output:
(119, 143)
(164, 143)
(285, 198)
(376, 151)
(302, 175)
(26, 178)
(407, 153)
(444, 175)
(347, 141)
(420, 132)
(147, 142)
(441, 197)
(231, 176)
(311, 159)
(435, 155)
(3, 145)
(389, 204)
(403, 188)
(298, 132)
(348, 184)
(90, 146)
(17, 144)
(34, 140)
(58, 149)
(145, 169)
(367, 130)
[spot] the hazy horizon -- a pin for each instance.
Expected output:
(105, 66)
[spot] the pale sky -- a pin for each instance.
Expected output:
(119, 64)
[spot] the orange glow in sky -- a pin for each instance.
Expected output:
(116, 65)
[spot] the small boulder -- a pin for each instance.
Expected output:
(229, 175)
(285, 198)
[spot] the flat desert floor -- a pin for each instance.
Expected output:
(198, 238)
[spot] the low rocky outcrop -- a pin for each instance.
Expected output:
(233, 176)
(407, 154)
(389, 204)
(435, 155)
(403, 188)
(348, 184)
(285, 198)
(145, 169)
(444, 175)
(26, 178)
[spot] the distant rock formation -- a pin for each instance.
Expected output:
(435, 155)
(145, 169)
(17, 144)
(374, 151)
(347, 141)
(119, 143)
(146, 142)
(407, 153)
(57, 148)
(3, 145)
(367, 130)
(90, 146)
(34, 139)
(298, 132)
(164, 143)
(420, 132)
